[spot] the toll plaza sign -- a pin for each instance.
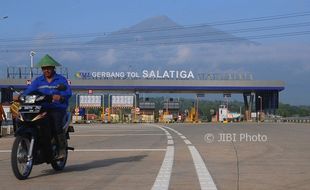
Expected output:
(144, 74)
(122, 101)
(90, 101)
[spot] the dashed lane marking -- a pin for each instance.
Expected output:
(205, 179)
(163, 177)
(187, 142)
(170, 142)
(183, 137)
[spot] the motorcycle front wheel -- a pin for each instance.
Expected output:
(20, 163)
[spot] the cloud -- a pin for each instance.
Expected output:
(70, 56)
(148, 56)
(292, 57)
(43, 38)
(289, 62)
(183, 54)
(107, 58)
(14, 59)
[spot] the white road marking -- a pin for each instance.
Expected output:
(103, 130)
(183, 137)
(163, 178)
(118, 150)
(170, 142)
(187, 142)
(205, 179)
(108, 150)
(112, 135)
(5, 151)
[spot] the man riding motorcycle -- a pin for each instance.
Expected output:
(46, 84)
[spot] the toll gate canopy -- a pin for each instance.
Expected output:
(268, 90)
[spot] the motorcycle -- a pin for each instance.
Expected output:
(35, 142)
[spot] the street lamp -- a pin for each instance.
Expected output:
(32, 53)
(197, 109)
(76, 105)
(261, 107)
(135, 106)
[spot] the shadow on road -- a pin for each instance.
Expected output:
(92, 165)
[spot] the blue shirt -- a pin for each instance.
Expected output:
(40, 84)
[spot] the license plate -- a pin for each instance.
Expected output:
(30, 109)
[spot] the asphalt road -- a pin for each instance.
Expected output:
(175, 156)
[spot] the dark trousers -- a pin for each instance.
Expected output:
(0, 128)
(14, 120)
(55, 122)
(56, 118)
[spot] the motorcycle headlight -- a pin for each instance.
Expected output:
(22, 98)
(30, 99)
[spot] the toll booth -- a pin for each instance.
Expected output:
(223, 113)
(122, 108)
(147, 111)
(170, 110)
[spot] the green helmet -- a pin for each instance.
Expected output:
(47, 61)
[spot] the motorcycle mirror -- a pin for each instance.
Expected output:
(12, 88)
(61, 87)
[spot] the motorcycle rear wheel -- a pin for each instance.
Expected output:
(60, 164)
(21, 166)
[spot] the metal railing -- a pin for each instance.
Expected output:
(28, 72)
(296, 119)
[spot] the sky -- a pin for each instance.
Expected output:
(284, 58)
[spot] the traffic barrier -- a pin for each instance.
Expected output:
(6, 130)
(296, 120)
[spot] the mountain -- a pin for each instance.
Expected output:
(152, 23)
(161, 30)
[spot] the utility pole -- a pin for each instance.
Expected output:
(261, 108)
(197, 109)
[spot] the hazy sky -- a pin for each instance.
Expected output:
(34, 17)
(285, 58)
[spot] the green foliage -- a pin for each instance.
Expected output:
(287, 110)
(207, 106)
